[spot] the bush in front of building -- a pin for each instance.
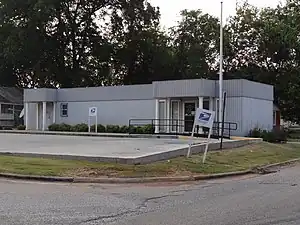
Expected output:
(277, 135)
(21, 127)
(147, 129)
(60, 127)
(124, 129)
(294, 133)
(80, 128)
(113, 129)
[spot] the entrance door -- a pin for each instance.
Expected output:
(189, 114)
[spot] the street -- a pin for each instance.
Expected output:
(265, 200)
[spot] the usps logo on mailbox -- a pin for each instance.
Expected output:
(204, 118)
(93, 111)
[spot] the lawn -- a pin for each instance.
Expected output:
(217, 162)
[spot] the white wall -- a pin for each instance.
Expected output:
(256, 113)
(109, 112)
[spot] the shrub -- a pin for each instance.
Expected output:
(124, 129)
(277, 135)
(80, 128)
(93, 128)
(21, 127)
(60, 127)
(65, 127)
(112, 129)
(256, 133)
(281, 135)
(53, 127)
(132, 129)
(148, 129)
(101, 128)
(139, 130)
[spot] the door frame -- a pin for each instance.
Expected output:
(161, 121)
(171, 114)
(183, 110)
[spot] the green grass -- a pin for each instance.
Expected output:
(226, 161)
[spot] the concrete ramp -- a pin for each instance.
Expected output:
(105, 149)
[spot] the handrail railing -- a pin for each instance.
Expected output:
(177, 127)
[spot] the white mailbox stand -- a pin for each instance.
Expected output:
(93, 114)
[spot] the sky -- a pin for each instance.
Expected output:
(170, 8)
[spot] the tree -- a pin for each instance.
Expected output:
(265, 48)
(72, 43)
(196, 39)
(141, 51)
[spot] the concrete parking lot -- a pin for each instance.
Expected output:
(89, 146)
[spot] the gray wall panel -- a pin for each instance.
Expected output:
(258, 90)
(40, 95)
(233, 113)
(31, 116)
(184, 88)
(109, 112)
(232, 87)
(131, 92)
(256, 113)
(245, 88)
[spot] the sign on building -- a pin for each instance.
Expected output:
(93, 113)
(203, 118)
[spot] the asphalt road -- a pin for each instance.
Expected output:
(265, 200)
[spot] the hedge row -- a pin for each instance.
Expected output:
(274, 136)
(21, 127)
(147, 129)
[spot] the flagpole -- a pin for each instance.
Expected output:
(221, 69)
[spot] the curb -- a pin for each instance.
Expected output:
(122, 180)
(36, 178)
(85, 134)
(144, 179)
(274, 165)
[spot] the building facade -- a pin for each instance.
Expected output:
(249, 104)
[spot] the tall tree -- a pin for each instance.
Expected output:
(141, 49)
(196, 44)
(266, 48)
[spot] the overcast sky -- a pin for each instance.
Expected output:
(170, 8)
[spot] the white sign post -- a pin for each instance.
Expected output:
(93, 113)
(203, 118)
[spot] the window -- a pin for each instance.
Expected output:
(206, 104)
(64, 109)
(18, 108)
(7, 109)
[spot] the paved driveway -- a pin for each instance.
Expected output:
(87, 146)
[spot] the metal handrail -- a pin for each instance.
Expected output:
(179, 124)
